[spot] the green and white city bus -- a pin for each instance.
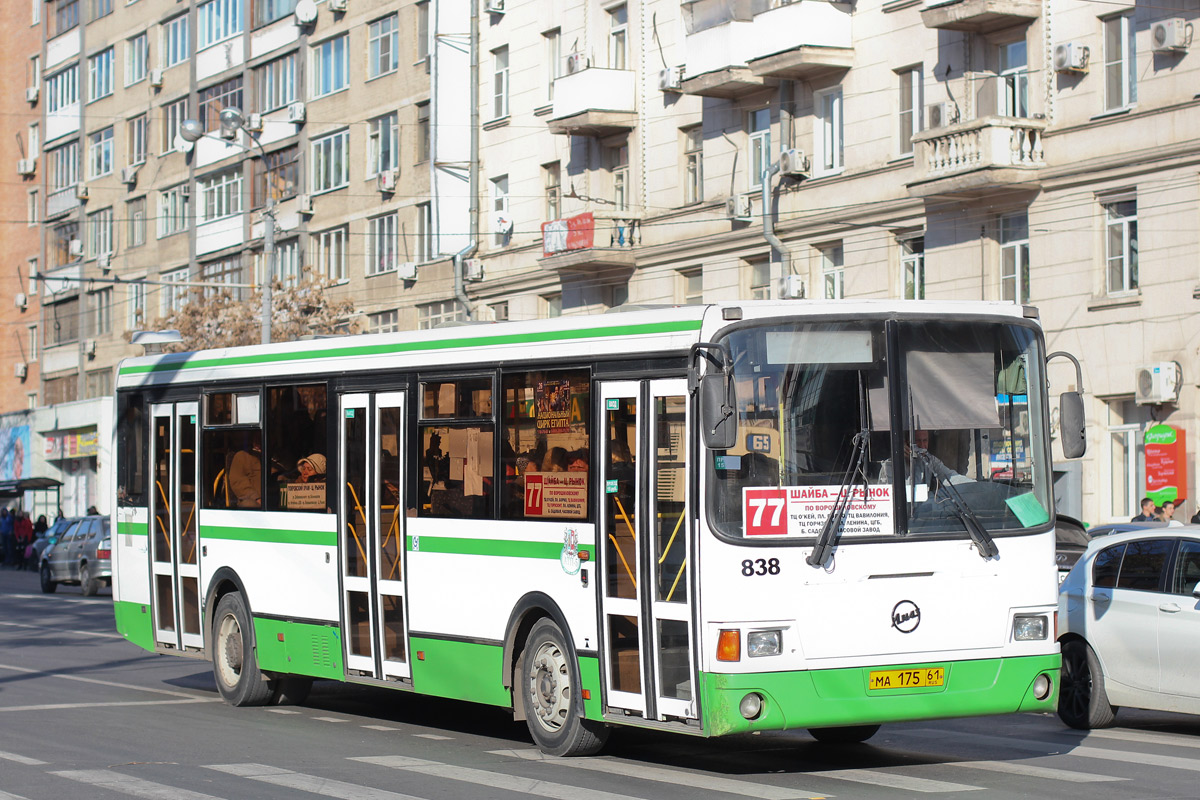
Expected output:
(709, 519)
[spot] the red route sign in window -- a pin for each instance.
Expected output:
(765, 512)
(533, 495)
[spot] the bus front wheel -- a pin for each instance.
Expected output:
(239, 679)
(549, 685)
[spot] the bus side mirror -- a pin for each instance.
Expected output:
(1071, 424)
(718, 411)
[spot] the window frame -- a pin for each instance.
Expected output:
(829, 131)
(1120, 68)
(500, 74)
(911, 108)
(218, 21)
(381, 31)
(330, 61)
(1128, 259)
(326, 164)
(100, 74)
(383, 244)
(100, 153)
(833, 271)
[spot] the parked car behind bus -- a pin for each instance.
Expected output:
(83, 556)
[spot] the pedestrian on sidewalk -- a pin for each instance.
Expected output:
(23, 536)
(7, 544)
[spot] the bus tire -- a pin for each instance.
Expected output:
(290, 690)
(1082, 702)
(845, 734)
(548, 685)
(238, 677)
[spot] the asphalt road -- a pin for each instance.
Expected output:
(85, 714)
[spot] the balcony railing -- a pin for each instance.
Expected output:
(987, 152)
(594, 102)
(61, 201)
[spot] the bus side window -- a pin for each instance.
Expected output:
(131, 449)
(297, 451)
(232, 448)
(456, 444)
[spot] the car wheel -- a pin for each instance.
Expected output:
(49, 585)
(549, 686)
(846, 734)
(1082, 701)
(87, 583)
(239, 679)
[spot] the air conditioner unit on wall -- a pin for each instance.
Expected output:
(156, 78)
(472, 269)
(493, 6)
(1070, 57)
(337, 5)
(89, 347)
(26, 166)
(31, 94)
(21, 299)
(1169, 35)
(939, 115)
(20, 370)
(1157, 383)
(795, 164)
(297, 111)
(792, 288)
(739, 207)
(81, 191)
(670, 79)
(75, 248)
(386, 180)
(129, 174)
(304, 204)
(407, 270)
(254, 123)
(576, 62)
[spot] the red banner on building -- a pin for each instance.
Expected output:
(1166, 463)
(573, 233)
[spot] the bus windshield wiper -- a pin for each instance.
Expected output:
(983, 540)
(824, 543)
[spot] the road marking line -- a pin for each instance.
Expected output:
(32, 762)
(6, 796)
(61, 630)
(1143, 737)
(127, 784)
(308, 783)
(69, 706)
(60, 598)
(494, 780)
(675, 777)
(434, 736)
(892, 781)
(1031, 771)
(282, 711)
(331, 719)
(382, 728)
(97, 681)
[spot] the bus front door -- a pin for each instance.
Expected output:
(175, 556)
(649, 652)
(371, 543)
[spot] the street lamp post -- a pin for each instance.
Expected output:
(233, 120)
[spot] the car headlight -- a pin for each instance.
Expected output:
(1030, 627)
(764, 643)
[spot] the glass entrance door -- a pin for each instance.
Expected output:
(175, 553)
(649, 659)
(374, 614)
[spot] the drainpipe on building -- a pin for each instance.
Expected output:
(460, 290)
(785, 255)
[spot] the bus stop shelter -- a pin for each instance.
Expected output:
(18, 488)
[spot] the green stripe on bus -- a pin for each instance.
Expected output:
(271, 535)
(133, 528)
(506, 548)
(412, 347)
(134, 623)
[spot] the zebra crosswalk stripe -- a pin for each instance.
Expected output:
(308, 783)
(127, 784)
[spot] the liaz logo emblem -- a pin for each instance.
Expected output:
(906, 616)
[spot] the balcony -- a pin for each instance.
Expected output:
(576, 245)
(979, 16)
(61, 201)
(594, 102)
(978, 156)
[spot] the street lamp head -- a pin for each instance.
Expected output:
(190, 130)
(232, 121)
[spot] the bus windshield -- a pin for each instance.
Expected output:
(824, 409)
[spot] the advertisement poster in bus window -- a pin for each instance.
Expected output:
(801, 511)
(556, 494)
(553, 400)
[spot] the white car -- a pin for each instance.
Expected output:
(1129, 625)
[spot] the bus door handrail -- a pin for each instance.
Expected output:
(350, 525)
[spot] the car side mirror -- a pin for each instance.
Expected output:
(1072, 425)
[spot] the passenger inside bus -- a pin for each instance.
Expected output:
(245, 476)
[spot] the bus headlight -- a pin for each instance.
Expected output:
(751, 705)
(1030, 627)
(764, 643)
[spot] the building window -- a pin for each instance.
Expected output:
(99, 383)
(500, 82)
(100, 311)
(381, 244)
(383, 322)
(552, 305)
(214, 99)
(175, 43)
(911, 103)
(431, 315)
(100, 153)
(64, 166)
(100, 75)
(62, 90)
(423, 142)
(34, 344)
(693, 164)
(332, 248)
(760, 280)
(276, 175)
(135, 297)
(267, 11)
(425, 250)
(1127, 455)
(60, 244)
(331, 161)
(1120, 62)
(174, 208)
(135, 215)
(421, 30)
(691, 285)
(35, 139)
(216, 21)
(100, 233)
(33, 206)
(66, 16)
(174, 291)
(276, 83)
(136, 132)
(1014, 80)
(383, 41)
(912, 267)
(833, 272)
(618, 34)
(617, 162)
(552, 47)
(829, 130)
(500, 209)
(101, 8)
(173, 115)
(220, 195)
(137, 53)
(331, 66)
(499, 311)
(383, 144)
(286, 269)
(552, 174)
(36, 9)
(1121, 243)
(759, 127)
(62, 323)
(1014, 258)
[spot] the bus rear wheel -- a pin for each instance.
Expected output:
(238, 677)
(846, 734)
(549, 687)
